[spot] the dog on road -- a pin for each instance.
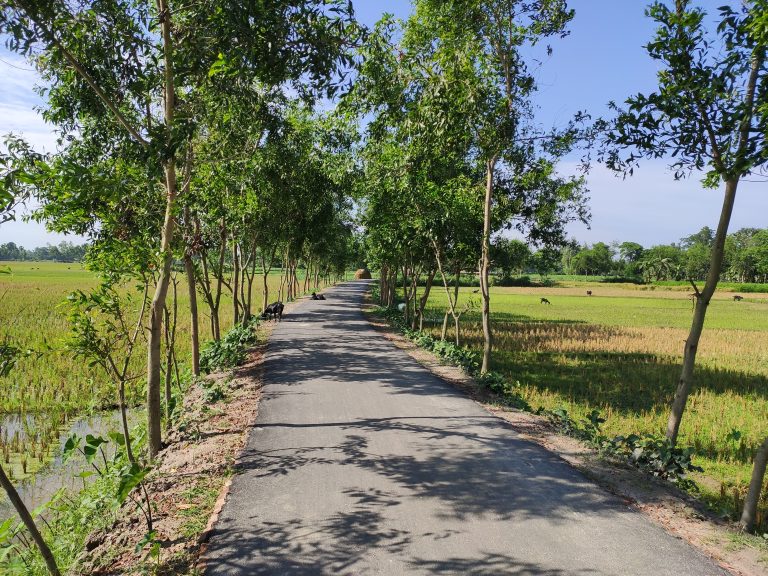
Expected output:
(274, 311)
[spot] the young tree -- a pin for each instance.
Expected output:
(709, 114)
(474, 57)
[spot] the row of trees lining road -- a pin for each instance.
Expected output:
(160, 136)
(64, 252)
(745, 259)
(449, 96)
(178, 142)
(452, 143)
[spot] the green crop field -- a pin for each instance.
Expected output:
(50, 383)
(620, 351)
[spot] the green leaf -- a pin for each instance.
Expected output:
(70, 446)
(129, 479)
(117, 438)
(148, 539)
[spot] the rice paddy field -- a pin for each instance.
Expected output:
(620, 351)
(50, 387)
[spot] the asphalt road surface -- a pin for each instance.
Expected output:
(363, 462)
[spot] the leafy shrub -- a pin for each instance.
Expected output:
(653, 454)
(227, 352)
(212, 391)
(657, 455)
(521, 281)
(464, 357)
(494, 381)
(622, 280)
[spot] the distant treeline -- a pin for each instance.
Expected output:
(746, 258)
(64, 252)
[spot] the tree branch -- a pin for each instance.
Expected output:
(80, 69)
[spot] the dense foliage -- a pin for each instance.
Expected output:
(64, 252)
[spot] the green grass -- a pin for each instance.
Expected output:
(620, 351)
(200, 499)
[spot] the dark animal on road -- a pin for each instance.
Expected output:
(274, 311)
(737, 298)
(545, 301)
(317, 296)
(589, 292)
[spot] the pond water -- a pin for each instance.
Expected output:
(57, 474)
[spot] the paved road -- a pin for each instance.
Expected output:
(362, 462)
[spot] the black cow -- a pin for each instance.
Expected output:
(274, 311)
(738, 298)
(589, 292)
(545, 301)
(317, 296)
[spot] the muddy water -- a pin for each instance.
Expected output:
(57, 474)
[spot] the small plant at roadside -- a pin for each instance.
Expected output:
(212, 391)
(127, 472)
(649, 452)
(658, 456)
(229, 351)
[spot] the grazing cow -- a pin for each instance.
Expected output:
(737, 298)
(545, 301)
(274, 311)
(589, 292)
(317, 296)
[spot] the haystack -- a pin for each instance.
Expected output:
(363, 274)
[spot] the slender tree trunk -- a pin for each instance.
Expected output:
(170, 351)
(425, 296)
(392, 286)
(168, 369)
(124, 421)
(456, 315)
(414, 297)
(216, 305)
(29, 523)
(235, 283)
(407, 308)
(189, 269)
(702, 303)
(444, 331)
(154, 355)
(485, 265)
(265, 284)
(154, 352)
(382, 284)
(251, 276)
(283, 275)
(749, 514)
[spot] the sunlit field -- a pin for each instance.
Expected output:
(620, 351)
(50, 386)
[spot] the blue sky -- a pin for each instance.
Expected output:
(601, 60)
